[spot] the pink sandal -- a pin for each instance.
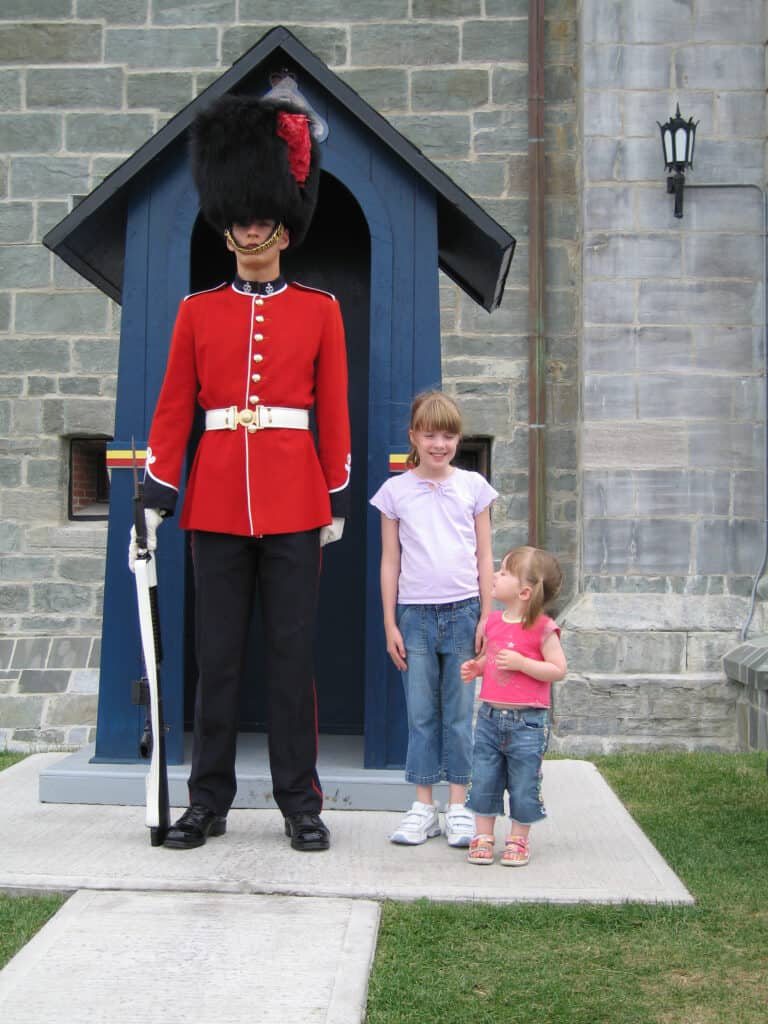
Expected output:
(516, 852)
(481, 850)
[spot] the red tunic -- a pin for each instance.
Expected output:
(284, 349)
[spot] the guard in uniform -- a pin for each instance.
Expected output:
(262, 497)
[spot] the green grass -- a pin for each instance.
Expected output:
(21, 916)
(629, 964)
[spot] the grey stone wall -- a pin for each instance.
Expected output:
(672, 444)
(82, 84)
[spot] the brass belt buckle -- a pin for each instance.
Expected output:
(248, 418)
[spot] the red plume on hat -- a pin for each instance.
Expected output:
(255, 159)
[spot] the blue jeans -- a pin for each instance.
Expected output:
(509, 746)
(438, 638)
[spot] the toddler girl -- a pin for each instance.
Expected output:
(523, 657)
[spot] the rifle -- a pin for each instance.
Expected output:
(147, 689)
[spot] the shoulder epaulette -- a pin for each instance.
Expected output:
(205, 291)
(309, 288)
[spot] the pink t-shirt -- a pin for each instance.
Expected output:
(436, 527)
(501, 686)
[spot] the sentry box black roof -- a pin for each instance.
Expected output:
(473, 249)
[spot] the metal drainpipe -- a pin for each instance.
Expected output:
(536, 278)
(759, 587)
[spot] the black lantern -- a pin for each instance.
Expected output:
(677, 140)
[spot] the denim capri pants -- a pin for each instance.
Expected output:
(509, 746)
(438, 638)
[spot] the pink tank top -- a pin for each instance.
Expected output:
(500, 686)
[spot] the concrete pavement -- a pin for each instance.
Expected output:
(147, 915)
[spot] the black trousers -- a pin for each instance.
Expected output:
(229, 571)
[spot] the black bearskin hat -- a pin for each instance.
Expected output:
(255, 160)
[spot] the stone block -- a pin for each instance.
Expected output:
(740, 114)
(560, 40)
(10, 537)
(510, 318)
(41, 681)
(65, 312)
(606, 207)
(165, 91)
(628, 67)
(729, 210)
(274, 11)
(560, 84)
(386, 89)
(657, 23)
(609, 302)
(490, 41)
(506, 8)
(655, 545)
(119, 133)
(10, 472)
(723, 255)
(50, 43)
(83, 569)
(48, 216)
(25, 567)
(24, 266)
(80, 386)
(10, 90)
(14, 597)
(609, 349)
(94, 659)
(75, 88)
(596, 652)
(84, 681)
(404, 45)
(665, 348)
(329, 44)
(736, 20)
(602, 113)
(644, 110)
(52, 177)
(659, 652)
(115, 12)
(563, 219)
(79, 416)
(69, 652)
(682, 493)
(748, 494)
(609, 397)
(720, 67)
(485, 178)
(509, 86)
(161, 47)
(608, 494)
(61, 597)
(98, 356)
(723, 302)
(193, 12)
(512, 214)
(608, 255)
(30, 133)
(688, 396)
(436, 135)
(731, 446)
(729, 545)
(72, 709)
(35, 354)
(21, 712)
(705, 651)
(31, 653)
(601, 21)
(449, 89)
(438, 9)
(16, 222)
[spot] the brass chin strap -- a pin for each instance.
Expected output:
(254, 250)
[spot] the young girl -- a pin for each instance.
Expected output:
(436, 580)
(523, 657)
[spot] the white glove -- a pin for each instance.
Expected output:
(332, 532)
(152, 518)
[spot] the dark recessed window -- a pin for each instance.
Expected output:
(88, 478)
(475, 454)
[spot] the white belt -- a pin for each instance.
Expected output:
(260, 418)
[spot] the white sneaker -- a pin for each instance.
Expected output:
(459, 825)
(417, 826)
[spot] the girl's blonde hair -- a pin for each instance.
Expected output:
(432, 410)
(541, 572)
